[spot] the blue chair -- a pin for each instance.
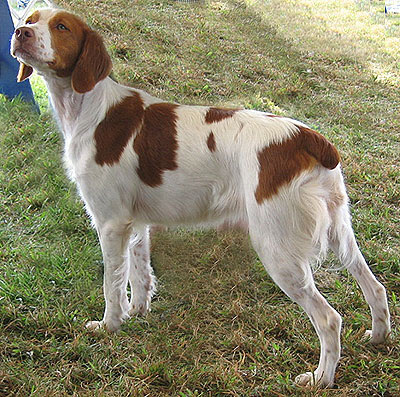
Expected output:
(8, 65)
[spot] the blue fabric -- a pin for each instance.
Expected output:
(9, 66)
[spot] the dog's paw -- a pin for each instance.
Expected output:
(141, 308)
(111, 326)
(367, 335)
(140, 303)
(312, 379)
(375, 339)
(306, 379)
(95, 325)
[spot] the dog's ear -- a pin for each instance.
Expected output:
(24, 72)
(93, 65)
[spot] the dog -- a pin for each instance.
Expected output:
(140, 161)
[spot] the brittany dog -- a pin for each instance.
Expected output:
(139, 161)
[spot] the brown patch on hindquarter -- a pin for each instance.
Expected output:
(113, 133)
(319, 147)
(211, 142)
(214, 115)
(156, 143)
(280, 163)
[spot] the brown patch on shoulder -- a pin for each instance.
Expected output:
(113, 133)
(211, 142)
(214, 115)
(156, 143)
(280, 163)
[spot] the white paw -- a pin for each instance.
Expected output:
(367, 335)
(374, 339)
(312, 379)
(141, 308)
(307, 379)
(94, 325)
(111, 326)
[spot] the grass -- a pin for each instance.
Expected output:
(219, 326)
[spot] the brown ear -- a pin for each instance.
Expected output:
(24, 72)
(94, 64)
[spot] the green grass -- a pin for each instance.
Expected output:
(218, 325)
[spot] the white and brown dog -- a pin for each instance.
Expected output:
(140, 161)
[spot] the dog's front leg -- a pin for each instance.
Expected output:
(141, 278)
(114, 242)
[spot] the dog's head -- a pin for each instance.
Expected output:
(59, 43)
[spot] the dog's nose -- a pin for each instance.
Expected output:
(24, 33)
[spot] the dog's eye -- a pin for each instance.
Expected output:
(60, 26)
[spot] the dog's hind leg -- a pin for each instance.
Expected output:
(343, 243)
(295, 279)
(289, 230)
(141, 278)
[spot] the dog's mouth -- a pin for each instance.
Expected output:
(22, 54)
(25, 55)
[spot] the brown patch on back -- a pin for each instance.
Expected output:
(156, 143)
(280, 163)
(214, 115)
(211, 142)
(113, 133)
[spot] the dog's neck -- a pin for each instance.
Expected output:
(67, 104)
(72, 108)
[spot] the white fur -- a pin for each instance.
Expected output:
(288, 231)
